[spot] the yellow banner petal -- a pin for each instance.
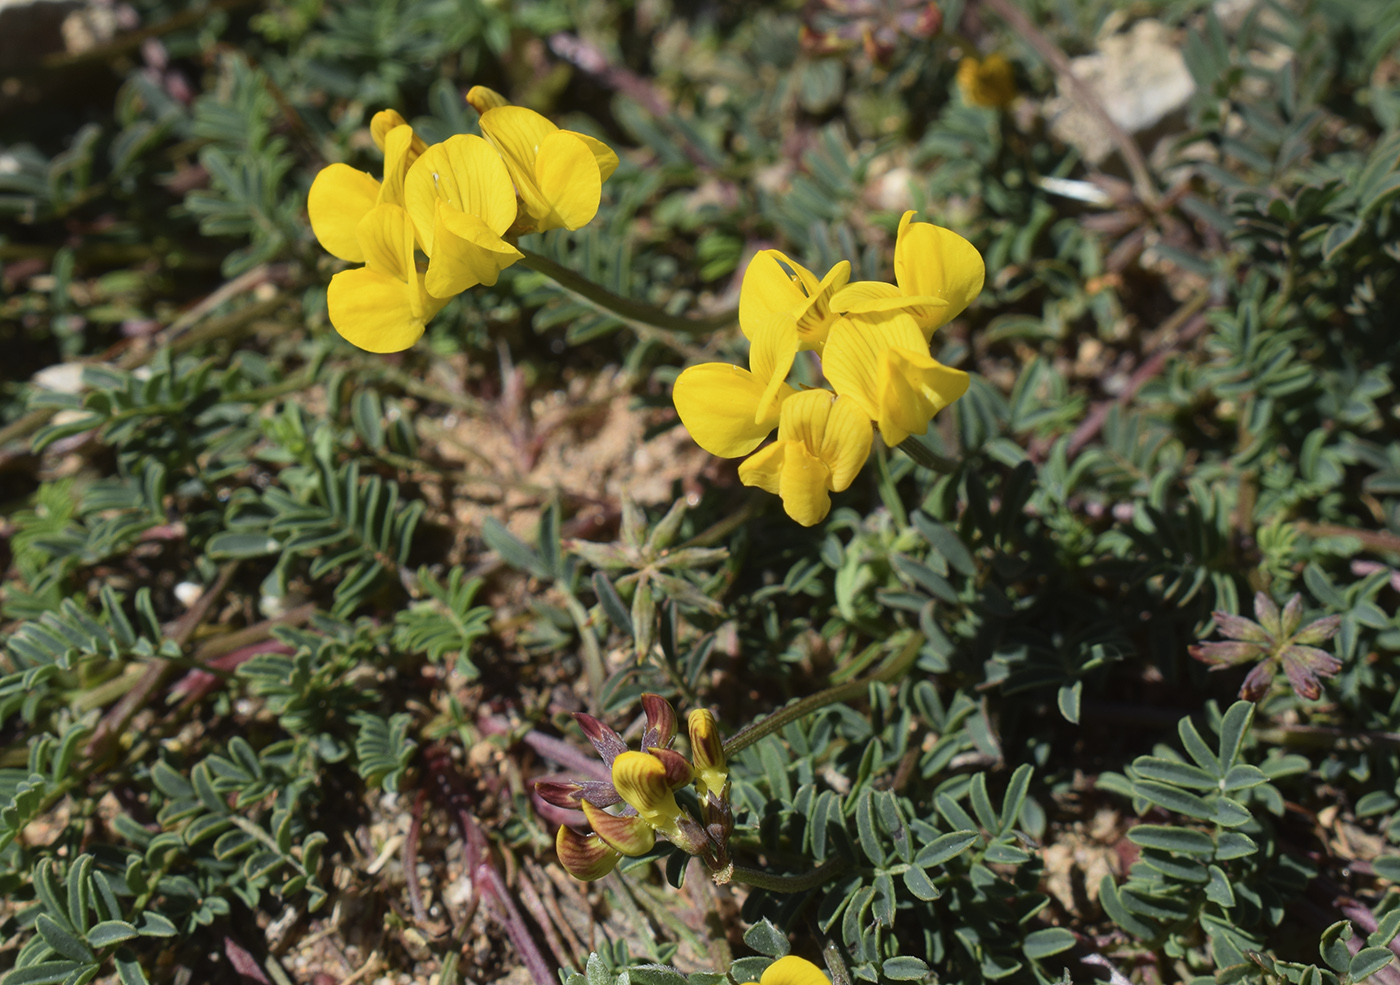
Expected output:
(717, 403)
(466, 253)
(466, 173)
(516, 133)
(373, 310)
(913, 388)
(567, 176)
(854, 352)
(339, 198)
(602, 153)
(767, 288)
(936, 262)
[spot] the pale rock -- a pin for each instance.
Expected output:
(1139, 77)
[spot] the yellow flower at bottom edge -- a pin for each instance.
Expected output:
(882, 363)
(989, 82)
(792, 970)
(823, 440)
(384, 305)
(937, 271)
(558, 174)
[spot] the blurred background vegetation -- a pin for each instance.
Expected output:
(290, 629)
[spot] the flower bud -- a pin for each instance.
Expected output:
(630, 835)
(707, 753)
(661, 722)
(585, 857)
(480, 98)
(608, 743)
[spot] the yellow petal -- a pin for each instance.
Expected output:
(466, 253)
(640, 780)
(792, 970)
(629, 835)
(913, 388)
(373, 310)
(767, 288)
(516, 133)
(936, 262)
(815, 318)
(855, 350)
(795, 474)
(466, 173)
(832, 428)
(481, 98)
(602, 153)
(771, 353)
(339, 198)
(585, 857)
(567, 176)
(398, 157)
(386, 237)
(382, 122)
(718, 404)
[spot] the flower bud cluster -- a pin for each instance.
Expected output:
(628, 813)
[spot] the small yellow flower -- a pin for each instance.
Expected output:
(823, 440)
(460, 196)
(881, 362)
(770, 292)
(938, 273)
(707, 753)
(558, 174)
(643, 783)
(792, 970)
(384, 305)
(988, 82)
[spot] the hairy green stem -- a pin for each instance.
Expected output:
(637, 312)
(891, 669)
(788, 884)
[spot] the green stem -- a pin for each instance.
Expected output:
(788, 884)
(922, 454)
(891, 669)
(637, 312)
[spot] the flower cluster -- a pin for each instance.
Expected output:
(462, 202)
(873, 341)
(643, 792)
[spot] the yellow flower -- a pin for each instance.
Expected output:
(729, 410)
(707, 753)
(823, 440)
(792, 970)
(989, 82)
(881, 362)
(382, 306)
(341, 196)
(938, 273)
(769, 291)
(558, 174)
(460, 196)
(644, 784)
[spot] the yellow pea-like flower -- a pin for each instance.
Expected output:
(585, 857)
(792, 970)
(641, 780)
(384, 305)
(988, 82)
(341, 195)
(707, 753)
(558, 174)
(460, 196)
(769, 290)
(881, 362)
(823, 440)
(938, 273)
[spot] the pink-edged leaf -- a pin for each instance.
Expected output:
(661, 722)
(1256, 685)
(1319, 662)
(1239, 628)
(1318, 631)
(1292, 616)
(608, 743)
(1267, 615)
(1228, 653)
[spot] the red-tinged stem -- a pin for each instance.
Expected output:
(579, 762)
(410, 860)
